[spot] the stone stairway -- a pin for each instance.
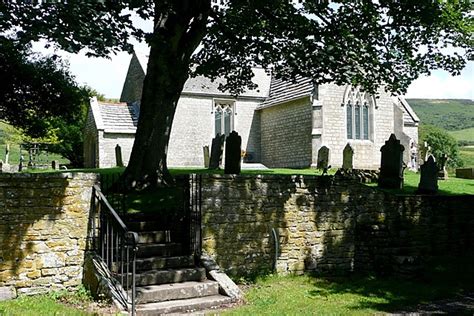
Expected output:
(167, 279)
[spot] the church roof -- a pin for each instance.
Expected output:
(409, 116)
(284, 91)
(115, 117)
(201, 85)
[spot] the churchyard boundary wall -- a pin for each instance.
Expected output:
(327, 224)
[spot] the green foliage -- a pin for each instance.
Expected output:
(450, 114)
(441, 143)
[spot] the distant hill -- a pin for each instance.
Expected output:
(450, 114)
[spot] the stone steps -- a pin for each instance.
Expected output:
(155, 277)
(182, 306)
(163, 249)
(156, 236)
(176, 291)
(155, 263)
(166, 280)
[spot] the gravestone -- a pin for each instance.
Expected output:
(7, 153)
(465, 173)
(118, 156)
(391, 165)
(54, 165)
(428, 177)
(233, 153)
(323, 158)
(413, 157)
(442, 172)
(347, 157)
(427, 150)
(20, 165)
(217, 148)
(205, 150)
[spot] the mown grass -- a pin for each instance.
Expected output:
(67, 303)
(357, 295)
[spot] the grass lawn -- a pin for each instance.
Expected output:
(358, 295)
(67, 303)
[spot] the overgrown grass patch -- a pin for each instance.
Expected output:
(357, 295)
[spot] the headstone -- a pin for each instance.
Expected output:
(233, 152)
(413, 157)
(347, 157)
(442, 172)
(217, 148)
(429, 177)
(20, 165)
(323, 158)
(391, 165)
(1, 166)
(7, 153)
(118, 156)
(465, 173)
(427, 150)
(205, 150)
(54, 165)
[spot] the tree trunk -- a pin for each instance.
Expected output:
(179, 28)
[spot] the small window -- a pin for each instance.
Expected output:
(359, 106)
(224, 117)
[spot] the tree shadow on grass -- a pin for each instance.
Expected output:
(445, 277)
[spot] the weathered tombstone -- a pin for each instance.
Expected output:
(7, 153)
(413, 157)
(2, 166)
(233, 153)
(118, 156)
(54, 165)
(427, 150)
(205, 150)
(465, 173)
(217, 148)
(347, 157)
(442, 172)
(20, 165)
(391, 165)
(429, 177)
(323, 158)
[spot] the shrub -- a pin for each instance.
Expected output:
(441, 143)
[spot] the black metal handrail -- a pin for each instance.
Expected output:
(116, 245)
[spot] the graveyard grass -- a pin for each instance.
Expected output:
(356, 295)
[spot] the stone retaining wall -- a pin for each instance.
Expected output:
(327, 224)
(43, 230)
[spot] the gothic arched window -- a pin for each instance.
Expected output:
(359, 113)
(224, 117)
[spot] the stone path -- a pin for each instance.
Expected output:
(460, 305)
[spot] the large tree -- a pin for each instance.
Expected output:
(367, 43)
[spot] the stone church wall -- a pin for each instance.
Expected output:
(366, 152)
(327, 225)
(43, 230)
(193, 128)
(286, 135)
(107, 144)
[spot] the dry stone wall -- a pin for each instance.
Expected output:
(326, 224)
(43, 230)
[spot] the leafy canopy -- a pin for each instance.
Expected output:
(441, 143)
(370, 43)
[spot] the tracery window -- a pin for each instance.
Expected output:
(359, 113)
(223, 117)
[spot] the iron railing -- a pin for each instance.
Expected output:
(116, 245)
(193, 214)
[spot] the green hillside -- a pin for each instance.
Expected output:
(450, 114)
(12, 136)
(464, 135)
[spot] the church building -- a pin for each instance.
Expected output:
(282, 124)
